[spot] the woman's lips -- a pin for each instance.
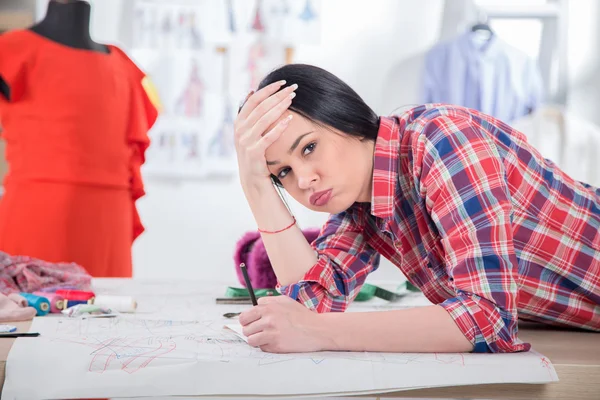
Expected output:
(319, 199)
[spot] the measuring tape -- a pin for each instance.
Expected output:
(243, 292)
(367, 292)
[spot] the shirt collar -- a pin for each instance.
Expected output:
(385, 167)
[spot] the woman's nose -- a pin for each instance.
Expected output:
(306, 179)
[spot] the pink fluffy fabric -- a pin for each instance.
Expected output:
(28, 274)
(251, 251)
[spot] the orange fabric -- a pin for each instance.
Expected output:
(76, 133)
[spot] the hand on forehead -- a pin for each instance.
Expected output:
(263, 108)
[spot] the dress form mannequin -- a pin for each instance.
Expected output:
(66, 22)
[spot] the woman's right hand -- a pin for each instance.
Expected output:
(260, 111)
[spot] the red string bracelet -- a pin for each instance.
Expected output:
(281, 230)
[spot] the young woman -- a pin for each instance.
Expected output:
(488, 229)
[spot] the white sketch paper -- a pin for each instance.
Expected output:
(132, 356)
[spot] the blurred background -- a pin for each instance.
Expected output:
(203, 56)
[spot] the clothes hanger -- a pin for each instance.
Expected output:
(481, 32)
(482, 23)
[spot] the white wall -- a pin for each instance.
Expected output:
(584, 40)
(584, 59)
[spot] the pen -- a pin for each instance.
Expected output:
(19, 334)
(248, 284)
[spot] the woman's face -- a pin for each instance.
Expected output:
(322, 169)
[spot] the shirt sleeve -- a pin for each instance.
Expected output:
(464, 182)
(344, 261)
(13, 64)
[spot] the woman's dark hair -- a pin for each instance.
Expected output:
(326, 100)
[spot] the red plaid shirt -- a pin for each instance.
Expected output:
(477, 219)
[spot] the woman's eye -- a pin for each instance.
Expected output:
(283, 173)
(309, 149)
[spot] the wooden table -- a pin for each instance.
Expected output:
(574, 354)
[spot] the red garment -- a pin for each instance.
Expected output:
(76, 133)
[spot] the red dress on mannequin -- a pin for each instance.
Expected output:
(76, 132)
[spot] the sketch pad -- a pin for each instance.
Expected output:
(136, 357)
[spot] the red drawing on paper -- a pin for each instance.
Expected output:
(129, 354)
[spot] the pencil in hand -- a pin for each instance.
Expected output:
(248, 284)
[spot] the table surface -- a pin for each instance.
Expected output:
(574, 354)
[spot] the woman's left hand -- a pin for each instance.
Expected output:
(279, 324)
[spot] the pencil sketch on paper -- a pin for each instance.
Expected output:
(118, 357)
(131, 344)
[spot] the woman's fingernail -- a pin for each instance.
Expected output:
(292, 95)
(294, 86)
(281, 83)
(287, 120)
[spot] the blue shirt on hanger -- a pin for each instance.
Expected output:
(484, 74)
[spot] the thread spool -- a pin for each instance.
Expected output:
(41, 304)
(116, 303)
(57, 303)
(75, 295)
